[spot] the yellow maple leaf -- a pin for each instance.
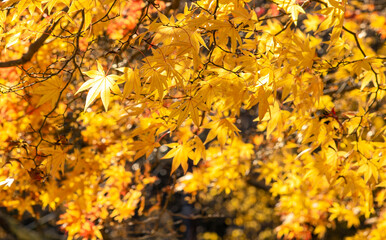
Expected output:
(145, 146)
(199, 152)
(50, 90)
(56, 158)
(180, 157)
(133, 82)
(222, 129)
(183, 109)
(312, 22)
(291, 7)
(100, 83)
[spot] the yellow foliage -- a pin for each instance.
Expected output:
(275, 114)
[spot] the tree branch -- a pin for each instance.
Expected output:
(33, 48)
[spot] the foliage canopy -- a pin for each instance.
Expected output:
(117, 116)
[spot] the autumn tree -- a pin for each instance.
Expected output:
(235, 119)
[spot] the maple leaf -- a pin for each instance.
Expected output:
(199, 152)
(190, 106)
(291, 8)
(55, 160)
(133, 82)
(180, 156)
(221, 128)
(100, 83)
(50, 90)
(294, 10)
(7, 182)
(312, 22)
(145, 146)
